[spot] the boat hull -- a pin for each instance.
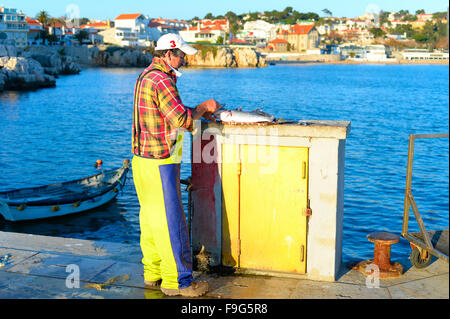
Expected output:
(22, 212)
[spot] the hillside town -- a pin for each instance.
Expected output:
(285, 34)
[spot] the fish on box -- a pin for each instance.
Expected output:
(239, 116)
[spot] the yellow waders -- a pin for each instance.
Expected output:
(164, 237)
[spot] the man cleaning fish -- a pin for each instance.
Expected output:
(159, 121)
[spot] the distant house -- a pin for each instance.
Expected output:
(93, 30)
(171, 25)
(34, 30)
(395, 23)
(424, 17)
(97, 26)
(13, 27)
(120, 37)
(129, 30)
(219, 24)
(56, 29)
(278, 45)
(258, 31)
(159, 27)
(301, 37)
(198, 34)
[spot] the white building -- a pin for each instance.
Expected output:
(131, 30)
(120, 36)
(13, 27)
(159, 27)
(258, 31)
(423, 54)
(377, 53)
(34, 30)
(197, 34)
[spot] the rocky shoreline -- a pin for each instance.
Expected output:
(30, 71)
(226, 57)
(39, 66)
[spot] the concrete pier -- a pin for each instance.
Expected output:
(42, 267)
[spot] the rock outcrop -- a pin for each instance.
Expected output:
(19, 73)
(119, 57)
(57, 64)
(226, 57)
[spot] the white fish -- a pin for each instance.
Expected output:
(238, 116)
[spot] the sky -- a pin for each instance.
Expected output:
(187, 9)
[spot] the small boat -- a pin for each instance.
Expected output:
(63, 198)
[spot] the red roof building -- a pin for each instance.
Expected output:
(301, 37)
(132, 16)
(278, 45)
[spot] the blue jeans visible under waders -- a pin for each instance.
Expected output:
(164, 235)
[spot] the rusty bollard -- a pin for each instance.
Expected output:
(382, 256)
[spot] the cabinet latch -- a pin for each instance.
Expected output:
(307, 211)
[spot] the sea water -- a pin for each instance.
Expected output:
(54, 135)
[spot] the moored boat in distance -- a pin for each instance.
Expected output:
(63, 198)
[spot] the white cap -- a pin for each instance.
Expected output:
(174, 41)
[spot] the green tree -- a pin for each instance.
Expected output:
(440, 15)
(384, 17)
(43, 17)
(52, 38)
(421, 38)
(287, 11)
(219, 40)
(234, 29)
(80, 21)
(421, 11)
(43, 34)
(209, 16)
(328, 12)
(409, 17)
(230, 15)
(402, 29)
(82, 35)
(377, 32)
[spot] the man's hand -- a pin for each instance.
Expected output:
(206, 109)
(209, 116)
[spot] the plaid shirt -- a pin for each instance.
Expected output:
(158, 111)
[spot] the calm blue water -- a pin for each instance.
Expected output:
(57, 134)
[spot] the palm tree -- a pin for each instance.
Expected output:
(43, 17)
(326, 11)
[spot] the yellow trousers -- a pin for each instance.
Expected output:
(164, 236)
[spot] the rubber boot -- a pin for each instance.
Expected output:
(194, 290)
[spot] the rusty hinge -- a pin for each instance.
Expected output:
(307, 211)
(238, 244)
(302, 253)
(239, 168)
(303, 170)
(239, 247)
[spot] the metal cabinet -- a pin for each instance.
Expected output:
(263, 218)
(268, 199)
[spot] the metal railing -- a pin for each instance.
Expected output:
(410, 202)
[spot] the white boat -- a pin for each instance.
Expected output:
(63, 198)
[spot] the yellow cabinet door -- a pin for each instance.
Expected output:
(267, 226)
